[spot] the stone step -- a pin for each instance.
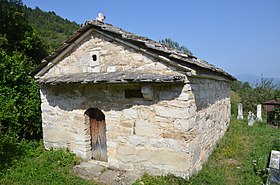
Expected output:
(99, 172)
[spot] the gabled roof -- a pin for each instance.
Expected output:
(115, 77)
(145, 44)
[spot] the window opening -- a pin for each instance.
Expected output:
(94, 57)
(133, 94)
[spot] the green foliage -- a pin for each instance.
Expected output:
(262, 92)
(37, 166)
(16, 34)
(240, 157)
(21, 49)
(234, 100)
(175, 45)
(236, 86)
(10, 150)
(19, 100)
(277, 94)
(51, 27)
(246, 86)
(276, 119)
(163, 180)
(276, 144)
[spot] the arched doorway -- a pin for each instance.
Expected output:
(98, 134)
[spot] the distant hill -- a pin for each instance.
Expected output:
(253, 79)
(52, 28)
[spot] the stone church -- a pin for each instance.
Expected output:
(131, 102)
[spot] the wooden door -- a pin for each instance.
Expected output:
(98, 139)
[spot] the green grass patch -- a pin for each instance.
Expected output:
(240, 157)
(37, 166)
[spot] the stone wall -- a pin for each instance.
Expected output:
(173, 129)
(97, 53)
(174, 132)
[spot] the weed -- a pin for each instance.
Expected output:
(162, 180)
(37, 166)
(276, 144)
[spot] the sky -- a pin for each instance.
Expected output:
(239, 36)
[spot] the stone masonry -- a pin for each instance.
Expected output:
(173, 131)
(110, 57)
(166, 135)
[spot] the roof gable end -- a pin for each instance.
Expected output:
(178, 59)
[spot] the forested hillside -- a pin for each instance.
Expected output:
(52, 28)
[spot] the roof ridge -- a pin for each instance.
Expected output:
(110, 27)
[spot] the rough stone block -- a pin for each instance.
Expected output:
(171, 160)
(144, 128)
(182, 124)
(146, 113)
(158, 143)
(136, 140)
(196, 154)
(171, 112)
(145, 155)
(129, 114)
(111, 69)
(185, 96)
(127, 123)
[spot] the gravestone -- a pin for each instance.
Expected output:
(274, 167)
(251, 118)
(259, 112)
(240, 111)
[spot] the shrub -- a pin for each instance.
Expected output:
(276, 118)
(263, 91)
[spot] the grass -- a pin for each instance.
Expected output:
(37, 166)
(241, 157)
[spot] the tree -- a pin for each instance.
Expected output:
(50, 27)
(236, 86)
(263, 91)
(175, 45)
(19, 97)
(21, 49)
(16, 34)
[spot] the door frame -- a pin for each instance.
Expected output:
(99, 149)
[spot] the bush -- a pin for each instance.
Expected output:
(261, 92)
(276, 118)
(20, 50)
(19, 97)
(10, 150)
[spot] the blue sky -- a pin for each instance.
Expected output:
(240, 36)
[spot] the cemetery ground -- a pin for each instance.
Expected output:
(241, 157)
